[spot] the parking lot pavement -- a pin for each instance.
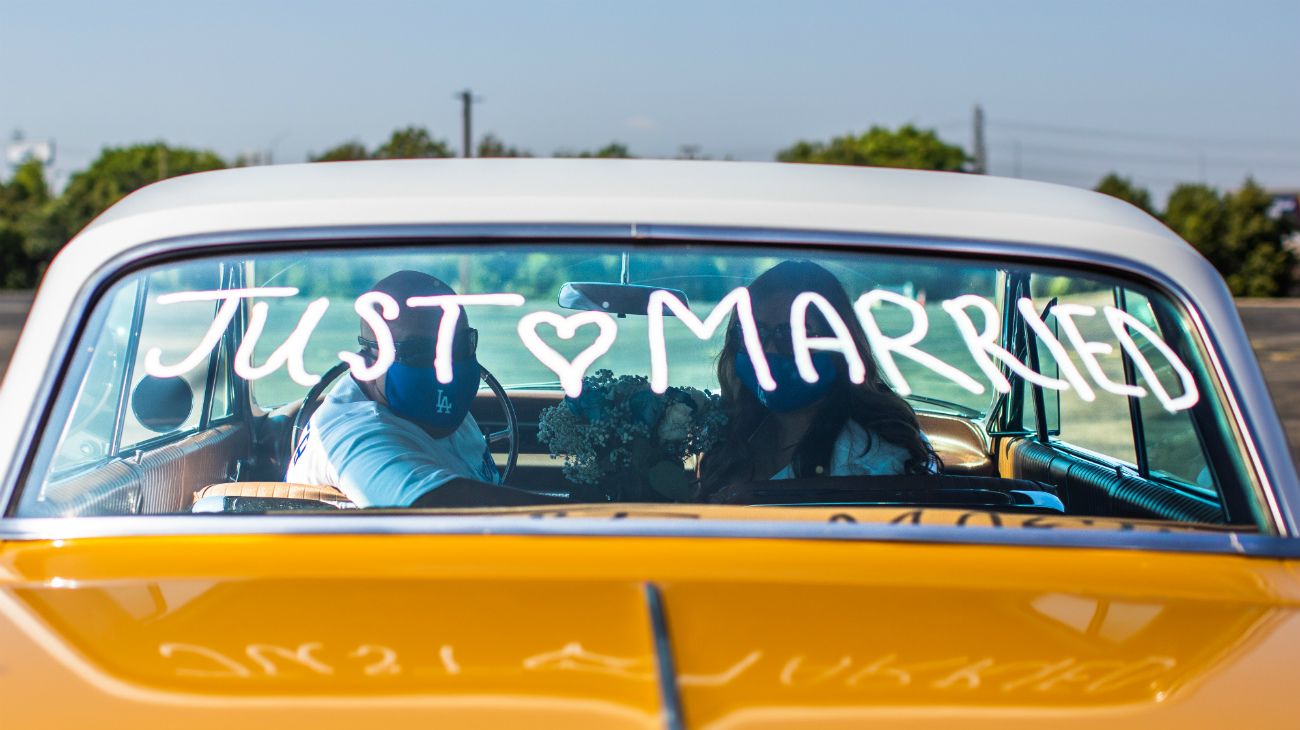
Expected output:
(1274, 329)
(1273, 326)
(13, 312)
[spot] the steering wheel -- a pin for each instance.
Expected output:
(510, 433)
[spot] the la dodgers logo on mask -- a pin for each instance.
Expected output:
(444, 403)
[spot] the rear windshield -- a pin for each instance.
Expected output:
(518, 375)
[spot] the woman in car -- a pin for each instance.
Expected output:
(833, 427)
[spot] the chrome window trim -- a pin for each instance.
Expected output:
(1285, 520)
(358, 523)
(1266, 480)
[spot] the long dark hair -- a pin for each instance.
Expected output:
(872, 404)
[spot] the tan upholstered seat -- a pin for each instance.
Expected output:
(279, 490)
(960, 444)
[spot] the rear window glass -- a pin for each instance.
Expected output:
(490, 377)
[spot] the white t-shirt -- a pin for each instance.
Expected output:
(851, 457)
(379, 459)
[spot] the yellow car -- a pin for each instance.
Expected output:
(587, 443)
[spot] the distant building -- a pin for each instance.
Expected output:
(1286, 206)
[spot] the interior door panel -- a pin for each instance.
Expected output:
(1091, 488)
(157, 480)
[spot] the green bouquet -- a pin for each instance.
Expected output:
(623, 442)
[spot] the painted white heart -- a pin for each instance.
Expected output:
(570, 372)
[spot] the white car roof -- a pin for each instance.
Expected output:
(651, 192)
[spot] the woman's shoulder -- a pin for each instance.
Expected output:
(859, 451)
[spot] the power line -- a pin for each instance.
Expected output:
(1190, 156)
(1038, 172)
(1069, 130)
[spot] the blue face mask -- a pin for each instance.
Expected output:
(792, 391)
(416, 395)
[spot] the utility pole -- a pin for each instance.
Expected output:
(981, 152)
(467, 100)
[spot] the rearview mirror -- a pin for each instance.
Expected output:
(619, 299)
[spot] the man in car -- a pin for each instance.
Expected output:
(403, 436)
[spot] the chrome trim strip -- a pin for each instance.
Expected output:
(665, 667)
(358, 522)
(1280, 486)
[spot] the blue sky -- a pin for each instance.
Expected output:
(1162, 91)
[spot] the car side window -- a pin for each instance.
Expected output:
(1139, 432)
(87, 436)
(168, 329)
(1102, 425)
(1173, 446)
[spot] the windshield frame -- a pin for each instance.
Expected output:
(1271, 487)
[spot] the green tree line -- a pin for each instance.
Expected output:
(35, 223)
(1232, 229)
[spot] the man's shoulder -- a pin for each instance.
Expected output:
(346, 390)
(344, 402)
